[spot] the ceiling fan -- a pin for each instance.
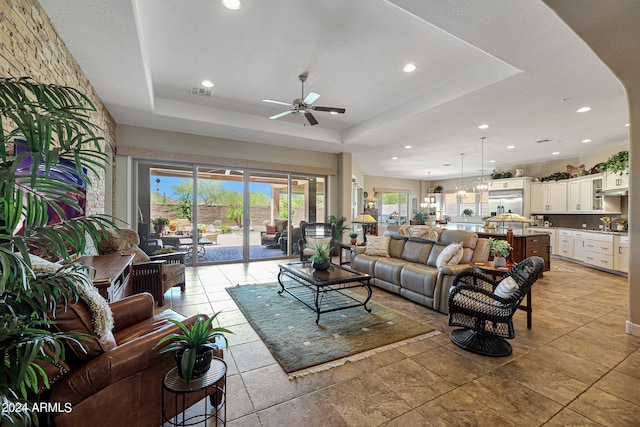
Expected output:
(304, 105)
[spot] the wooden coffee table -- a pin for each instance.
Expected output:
(322, 291)
(487, 267)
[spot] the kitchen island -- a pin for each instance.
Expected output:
(526, 243)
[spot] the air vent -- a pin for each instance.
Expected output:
(540, 141)
(198, 91)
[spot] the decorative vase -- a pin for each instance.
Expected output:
(499, 261)
(172, 227)
(201, 366)
(354, 240)
(321, 267)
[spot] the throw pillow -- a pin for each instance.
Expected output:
(378, 246)
(271, 229)
(450, 255)
(506, 287)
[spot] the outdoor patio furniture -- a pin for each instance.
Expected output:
(271, 237)
(315, 233)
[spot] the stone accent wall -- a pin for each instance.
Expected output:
(30, 47)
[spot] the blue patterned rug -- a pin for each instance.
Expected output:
(288, 328)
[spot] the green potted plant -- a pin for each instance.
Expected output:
(340, 228)
(617, 163)
(320, 260)
(500, 250)
(467, 212)
(420, 216)
(354, 237)
(159, 224)
(47, 136)
(192, 348)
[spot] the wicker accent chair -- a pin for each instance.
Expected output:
(485, 317)
(154, 274)
(315, 233)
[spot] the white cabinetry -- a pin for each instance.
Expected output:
(621, 253)
(565, 243)
(592, 248)
(508, 184)
(614, 181)
(549, 197)
(585, 198)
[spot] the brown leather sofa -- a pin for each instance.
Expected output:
(121, 386)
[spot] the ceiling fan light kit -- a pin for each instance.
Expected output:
(304, 105)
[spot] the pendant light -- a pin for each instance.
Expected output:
(461, 190)
(481, 185)
(428, 201)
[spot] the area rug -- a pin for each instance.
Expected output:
(289, 329)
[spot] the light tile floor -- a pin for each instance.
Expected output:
(576, 366)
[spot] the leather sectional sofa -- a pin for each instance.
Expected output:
(411, 269)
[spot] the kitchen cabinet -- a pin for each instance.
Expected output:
(508, 184)
(615, 181)
(621, 253)
(584, 195)
(548, 197)
(565, 243)
(532, 244)
(553, 238)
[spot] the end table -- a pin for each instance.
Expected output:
(212, 384)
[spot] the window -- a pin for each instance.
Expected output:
(475, 202)
(394, 208)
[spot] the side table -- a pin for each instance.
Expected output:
(487, 267)
(211, 385)
(348, 247)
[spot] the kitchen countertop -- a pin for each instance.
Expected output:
(528, 231)
(618, 233)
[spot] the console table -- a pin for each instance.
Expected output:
(112, 274)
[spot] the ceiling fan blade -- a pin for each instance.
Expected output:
(330, 109)
(312, 120)
(277, 102)
(311, 98)
(284, 113)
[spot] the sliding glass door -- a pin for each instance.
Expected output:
(219, 214)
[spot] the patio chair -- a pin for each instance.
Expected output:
(315, 233)
(271, 237)
(486, 317)
(154, 274)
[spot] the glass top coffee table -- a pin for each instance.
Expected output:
(323, 291)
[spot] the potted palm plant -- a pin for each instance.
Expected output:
(320, 260)
(47, 137)
(192, 348)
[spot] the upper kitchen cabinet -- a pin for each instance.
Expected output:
(615, 181)
(548, 197)
(586, 196)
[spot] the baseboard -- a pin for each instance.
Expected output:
(633, 329)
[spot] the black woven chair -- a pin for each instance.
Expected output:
(486, 317)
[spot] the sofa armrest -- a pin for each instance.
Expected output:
(356, 250)
(453, 270)
(115, 365)
(131, 310)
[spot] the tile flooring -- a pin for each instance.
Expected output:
(576, 366)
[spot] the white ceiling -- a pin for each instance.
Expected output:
(510, 63)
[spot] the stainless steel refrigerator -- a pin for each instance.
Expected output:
(505, 201)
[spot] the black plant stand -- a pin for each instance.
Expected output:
(213, 386)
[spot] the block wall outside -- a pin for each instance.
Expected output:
(30, 47)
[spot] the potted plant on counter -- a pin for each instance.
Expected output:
(193, 348)
(500, 251)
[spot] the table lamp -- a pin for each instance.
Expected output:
(510, 217)
(364, 219)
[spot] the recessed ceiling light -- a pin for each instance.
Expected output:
(509, 147)
(585, 141)
(206, 83)
(408, 146)
(394, 158)
(492, 161)
(231, 4)
(555, 153)
(583, 109)
(485, 126)
(409, 68)
(627, 124)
